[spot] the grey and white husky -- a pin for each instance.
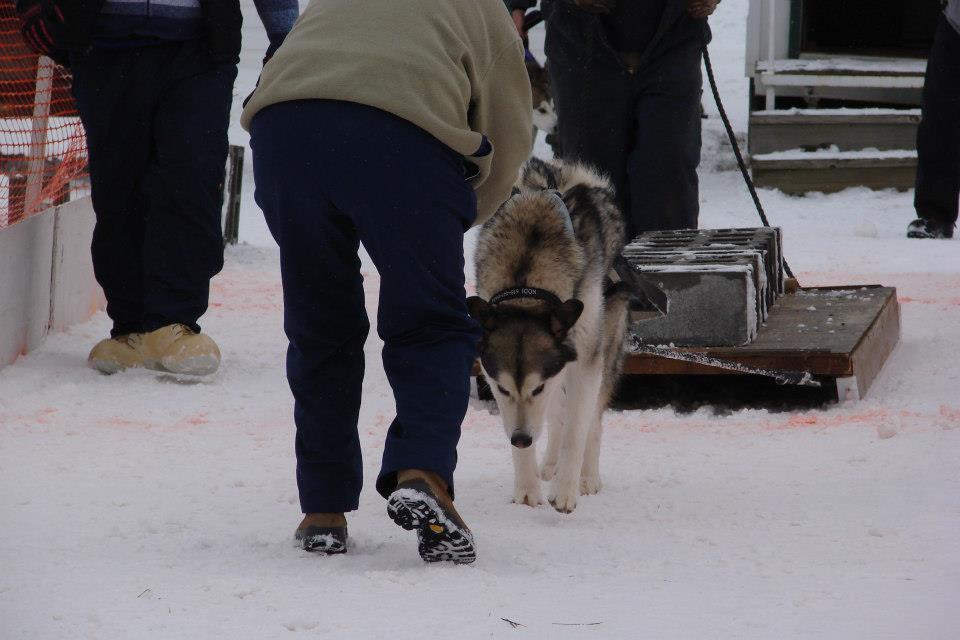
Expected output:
(553, 324)
(544, 114)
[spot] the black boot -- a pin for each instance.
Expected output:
(929, 228)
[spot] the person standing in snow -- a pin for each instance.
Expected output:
(397, 125)
(626, 82)
(153, 82)
(938, 139)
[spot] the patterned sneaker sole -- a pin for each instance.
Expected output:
(439, 539)
(325, 543)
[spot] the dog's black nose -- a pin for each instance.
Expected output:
(521, 440)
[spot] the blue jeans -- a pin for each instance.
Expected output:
(331, 175)
(156, 119)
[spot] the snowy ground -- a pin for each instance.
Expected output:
(135, 506)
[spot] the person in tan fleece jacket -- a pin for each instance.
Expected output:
(397, 124)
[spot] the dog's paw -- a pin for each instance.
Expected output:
(590, 485)
(564, 502)
(548, 470)
(529, 496)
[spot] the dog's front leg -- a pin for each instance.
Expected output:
(590, 473)
(581, 408)
(548, 468)
(526, 481)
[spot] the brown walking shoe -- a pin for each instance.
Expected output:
(421, 501)
(111, 355)
(178, 349)
(323, 533)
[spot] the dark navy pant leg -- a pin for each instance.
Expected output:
(938, 139)
(183, 241)
(331, 173)
(324, 314)
(407, 195)
(115, 100)
(665, 150)
(412, 226)
(156, 120)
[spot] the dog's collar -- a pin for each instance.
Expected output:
(528, 293)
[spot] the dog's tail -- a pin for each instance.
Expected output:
(556, 175)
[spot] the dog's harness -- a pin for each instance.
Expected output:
(567, 220)
(562, 208)
(527, 293)
(534, 293)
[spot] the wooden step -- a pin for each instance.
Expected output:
(801, 172)
(846, 129)
(843, 72)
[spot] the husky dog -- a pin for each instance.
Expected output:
(544, 115)
(553, 325)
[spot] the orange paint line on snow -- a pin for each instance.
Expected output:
(40, 416)
(953, 302)
(194, 420)
(124, 423)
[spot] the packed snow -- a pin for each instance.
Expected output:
(141, 506)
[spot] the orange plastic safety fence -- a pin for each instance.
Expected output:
(43, 152)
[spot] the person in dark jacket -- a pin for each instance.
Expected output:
(938, 139)
(153, 82)
(626, 82)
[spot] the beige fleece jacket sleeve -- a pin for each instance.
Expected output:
(503, 112)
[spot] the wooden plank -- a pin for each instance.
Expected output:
(845, 66)
(816, 330)
(877, 344)
(847, 73)
(799, 161)
(808, 176)
(824, 319)
(845, 117)
(818, 364)
(852, 80)
(782, 133)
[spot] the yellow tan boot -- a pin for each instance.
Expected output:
(178, 349)
(422, 501)
(116, 354)
(323, 533)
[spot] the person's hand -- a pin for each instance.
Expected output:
(596, 6)
(701, 8)
(518, 15)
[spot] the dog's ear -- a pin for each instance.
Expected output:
(481, 311)
(562, 318)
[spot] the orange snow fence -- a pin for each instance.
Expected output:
(43, 151)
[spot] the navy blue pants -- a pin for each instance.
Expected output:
(156, 120)
(938, 139)
(331, 175)
(641, 127)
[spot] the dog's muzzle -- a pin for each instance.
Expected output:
(521, 440)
